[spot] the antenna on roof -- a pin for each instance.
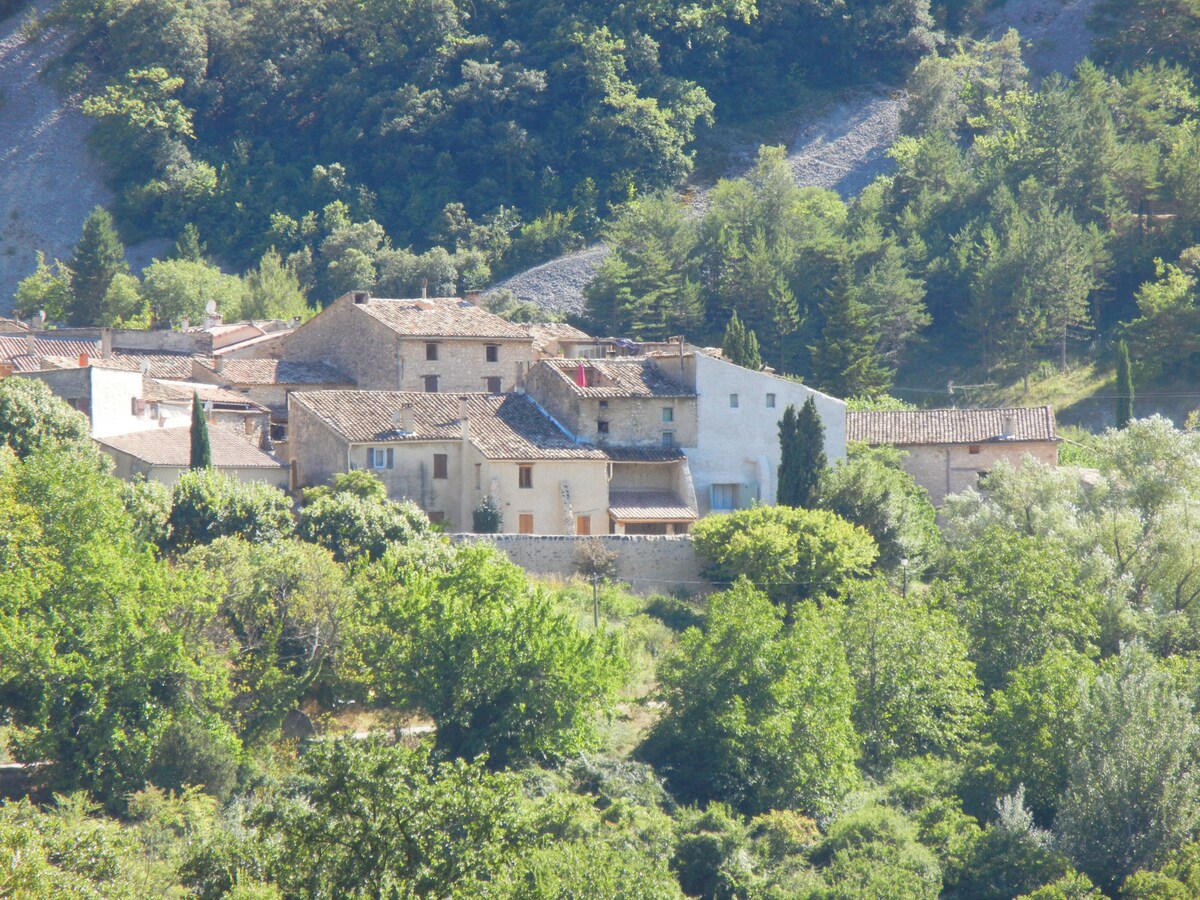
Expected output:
(211, 307)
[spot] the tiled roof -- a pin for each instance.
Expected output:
(952, 426)
(644, 454)
(543, 333)
(275, 371)
(648, 506)
(502, 426)
(12, 326)
(172, 447)
(440, 317)
(14, 350)
(155, 389)
(618, 378)
(173, 366)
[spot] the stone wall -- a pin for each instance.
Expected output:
(647, 563)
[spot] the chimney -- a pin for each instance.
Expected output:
(39, 320)
(474, 296)
(425, 289)
(464, 418)
(406, 419)
(83, 360)
(29, 339)
(106, 342)
(360, 297)
(219, 364)
(185, 324)
(1010, 426)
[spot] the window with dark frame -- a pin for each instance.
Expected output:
(668, 414)
(431, 352)
(974, 449)
(668, 439)
(525, 476)
(733, 401)
(770, 401)
(492, 352)
(602, 426)
(493, 384)
(440, 465)
(431, 383)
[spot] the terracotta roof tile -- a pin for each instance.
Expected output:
(952, 426)
(172, 447)
(644, 454)
(648, 506)
(618, 378)
(156, 389)
(275, 371)
(14, 350)
(440, 317)
(502, 426)
(543, 333)
(173, 366)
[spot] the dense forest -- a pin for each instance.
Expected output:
(872, 707)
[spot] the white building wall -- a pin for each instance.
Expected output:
(740, 445)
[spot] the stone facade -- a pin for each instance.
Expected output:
(647, 563)
(378, 357)
(950, 468)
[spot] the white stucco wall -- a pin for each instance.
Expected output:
(741, 445)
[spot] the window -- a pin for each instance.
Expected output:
(724, 496)
(492, 352)
(668, 439)
(493, 384)
(974, 449)
(733, 401)
(583, 525)
(525, 523)
(770, 401)
(478, 475)
(431, 383)
(668, 414)
(604, 404)
(381, 457)
(602, 426)
(435, 516)
(439, 465)
(431, 352)
(525, 476)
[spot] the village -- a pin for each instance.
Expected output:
(456, 408)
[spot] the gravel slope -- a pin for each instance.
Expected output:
(48, 180)
(844, 147)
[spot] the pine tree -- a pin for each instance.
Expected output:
(740, 345)
(188, 245)
(1124, 386)
(802, 455)
(201, 455)
(847, 361)
(99, 257)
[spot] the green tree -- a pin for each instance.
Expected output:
(33, 417)
(757, 713)
(1019, 596)
(847, 361)
(1132, 795)
(207, 504)
(178, 289)
(200, 452)
(792, 554)
(740, 345)
(915, 687)
(870, 489)
(273, 291)
(354, 517)
(1124, 386)
(874, 852)
(47, 290)
(99, 257)
(373, 820)
(802, 455)
(431, 639)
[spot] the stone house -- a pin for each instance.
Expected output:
(118, 398)
(948, 449)
(735, 457)
(448, 452)
(433, 345)
(163, 454)
(558, 339)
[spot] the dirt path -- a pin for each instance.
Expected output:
(49, 181)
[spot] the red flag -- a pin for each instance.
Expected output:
(581, 376)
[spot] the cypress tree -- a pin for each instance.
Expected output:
(802, 455)
(847, 361)
(740, 345)
(99, 256)
(201, 455)
(1124, 386)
